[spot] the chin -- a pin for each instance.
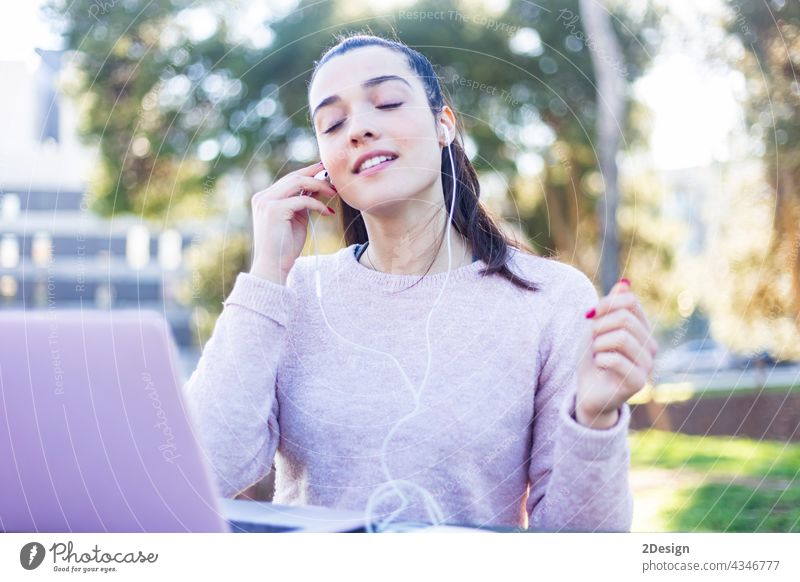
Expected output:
(385, 206)
(387, 194)
(379, 198)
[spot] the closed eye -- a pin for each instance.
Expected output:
(335, 126)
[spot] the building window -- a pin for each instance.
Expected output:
(9, 207)
(104, 296)
(8, 287)
(137, 246)
(47, 97)
(170, 245)
(42, 249)
(9, 251)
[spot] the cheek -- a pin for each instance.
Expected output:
(335, 162)
(427, 159)
(421, 152)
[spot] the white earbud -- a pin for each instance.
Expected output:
(446, 134)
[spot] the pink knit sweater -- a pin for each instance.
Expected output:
(493, 440)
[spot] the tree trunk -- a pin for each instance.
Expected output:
(560, 232)
(607, 62)
(786, 230)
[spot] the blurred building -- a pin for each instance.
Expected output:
(54, 252)
(710, 201)
(690, 196)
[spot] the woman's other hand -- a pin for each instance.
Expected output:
(617, 357)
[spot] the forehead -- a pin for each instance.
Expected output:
(346, 72)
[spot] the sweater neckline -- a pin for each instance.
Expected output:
(352, 268)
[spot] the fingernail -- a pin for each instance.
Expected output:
(591, 313)
(623, 280)
(331, 210)
(334, 188)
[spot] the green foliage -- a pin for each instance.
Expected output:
(214, 263)
(769, 34)
(154, 99)
(169, 109)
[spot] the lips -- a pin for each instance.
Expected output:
(376, 168)
(363, 158)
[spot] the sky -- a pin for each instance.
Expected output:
(22, 30)
(696, 112)
(686, 98)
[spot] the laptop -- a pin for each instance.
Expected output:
(95, 435)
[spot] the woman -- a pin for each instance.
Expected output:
(424, 372)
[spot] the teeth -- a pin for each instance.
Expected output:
(374, 162)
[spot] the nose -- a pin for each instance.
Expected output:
(362, 128)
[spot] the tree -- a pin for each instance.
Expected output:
(173, 107)
(769, 34)
(607, 59)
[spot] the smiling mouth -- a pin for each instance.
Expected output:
(375, 168)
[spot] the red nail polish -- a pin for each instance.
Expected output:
(591, 313)
(334, 188)
(626, 281)
(331, 209)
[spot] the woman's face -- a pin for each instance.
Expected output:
(355, 113)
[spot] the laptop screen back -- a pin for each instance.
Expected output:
(94, 436)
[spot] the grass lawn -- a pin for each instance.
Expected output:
(714, 484)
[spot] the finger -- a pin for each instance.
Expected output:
(621, 340)
(616, 299)
(294, 185)
(297, 203)
(305, 186)
(308, 170)
(621, 298)
(624, 319)
(639, 312)
(623, 286)
(633, 377)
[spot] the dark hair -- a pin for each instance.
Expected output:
(470, 218)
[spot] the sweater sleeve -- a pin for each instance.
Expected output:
(231, 395)
(578, 476)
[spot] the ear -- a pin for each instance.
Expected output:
(447, 123)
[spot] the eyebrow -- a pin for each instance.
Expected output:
(366, 84)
